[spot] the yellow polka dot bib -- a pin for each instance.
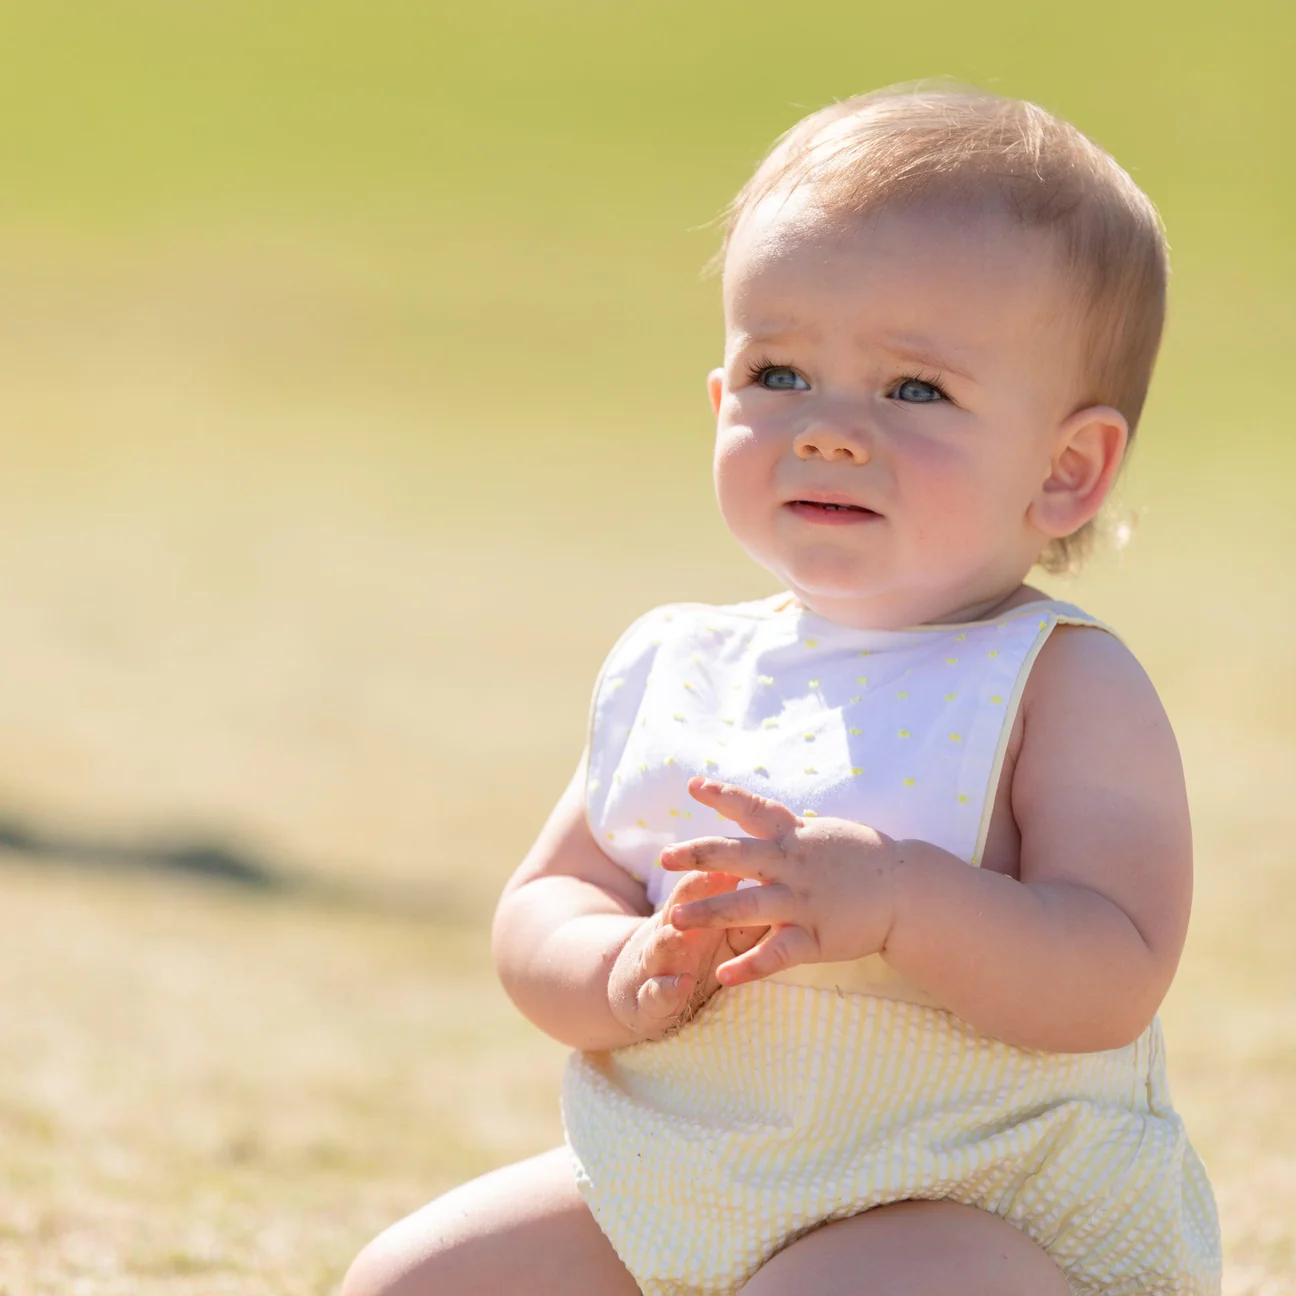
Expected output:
(837, 1087)
(903, 730)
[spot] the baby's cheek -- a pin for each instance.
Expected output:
(743, 490)
(963, 509)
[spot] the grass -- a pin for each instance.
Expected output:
(350, 379)
(209, 1093)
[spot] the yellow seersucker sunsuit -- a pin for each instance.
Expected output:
(836, 1087)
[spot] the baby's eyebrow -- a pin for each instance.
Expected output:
(905, 347)
(923, 352)
(776, 334)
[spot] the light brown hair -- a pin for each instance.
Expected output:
(964, 147)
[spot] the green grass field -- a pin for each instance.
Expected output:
(351, 367)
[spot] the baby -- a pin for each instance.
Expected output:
(860, 906)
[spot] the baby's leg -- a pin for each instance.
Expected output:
(914, 1248)
(522, 1229)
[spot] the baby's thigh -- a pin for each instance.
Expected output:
(522, 1229)
(913, 1248)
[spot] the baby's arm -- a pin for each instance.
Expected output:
(1078, 954)
(578, 949)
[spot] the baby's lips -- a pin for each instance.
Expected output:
(831, 497)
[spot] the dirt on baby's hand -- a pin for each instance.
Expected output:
(663, 976)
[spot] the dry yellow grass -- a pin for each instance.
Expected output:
(204, 1093)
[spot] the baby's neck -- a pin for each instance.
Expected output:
(863, 616)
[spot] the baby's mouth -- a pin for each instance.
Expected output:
(823, 511)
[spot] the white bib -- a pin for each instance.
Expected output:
(902, 730)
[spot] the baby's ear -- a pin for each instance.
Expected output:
(1087, 454)
(715, 389)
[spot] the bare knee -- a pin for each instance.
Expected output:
(461, 1244)
(370, 1273)
(391, 1265)
(915, 1248)
(522, 1228)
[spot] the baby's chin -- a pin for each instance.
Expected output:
(830, 573)
(842, 583)
(828, 584)
(866, 599)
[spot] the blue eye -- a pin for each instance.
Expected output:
(780, 378)
(917, 392)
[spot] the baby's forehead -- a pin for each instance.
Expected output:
(798, 267)
(801, 221)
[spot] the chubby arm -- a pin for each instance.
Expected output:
(1077, 955)
(1074, 955)
(560, 924)
(580, 952)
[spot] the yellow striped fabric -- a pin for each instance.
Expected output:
(781, 1106)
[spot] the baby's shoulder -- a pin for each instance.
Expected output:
(1088, 699)
(1085, 663)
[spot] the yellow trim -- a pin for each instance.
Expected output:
(1021, 610)
(1073, 616)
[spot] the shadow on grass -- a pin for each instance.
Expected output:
(215, 863)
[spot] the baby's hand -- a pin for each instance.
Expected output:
(663, 975)
(828, 884)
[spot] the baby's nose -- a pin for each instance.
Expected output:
(830, 440)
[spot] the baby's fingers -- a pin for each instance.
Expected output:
(663, 998)
(783, 948)
(752, 813)
(744, 857)
(669, 951)
(758, 906)
(699, 885)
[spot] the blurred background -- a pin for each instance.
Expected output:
(351, 403)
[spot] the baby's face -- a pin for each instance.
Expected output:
(889, 407)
